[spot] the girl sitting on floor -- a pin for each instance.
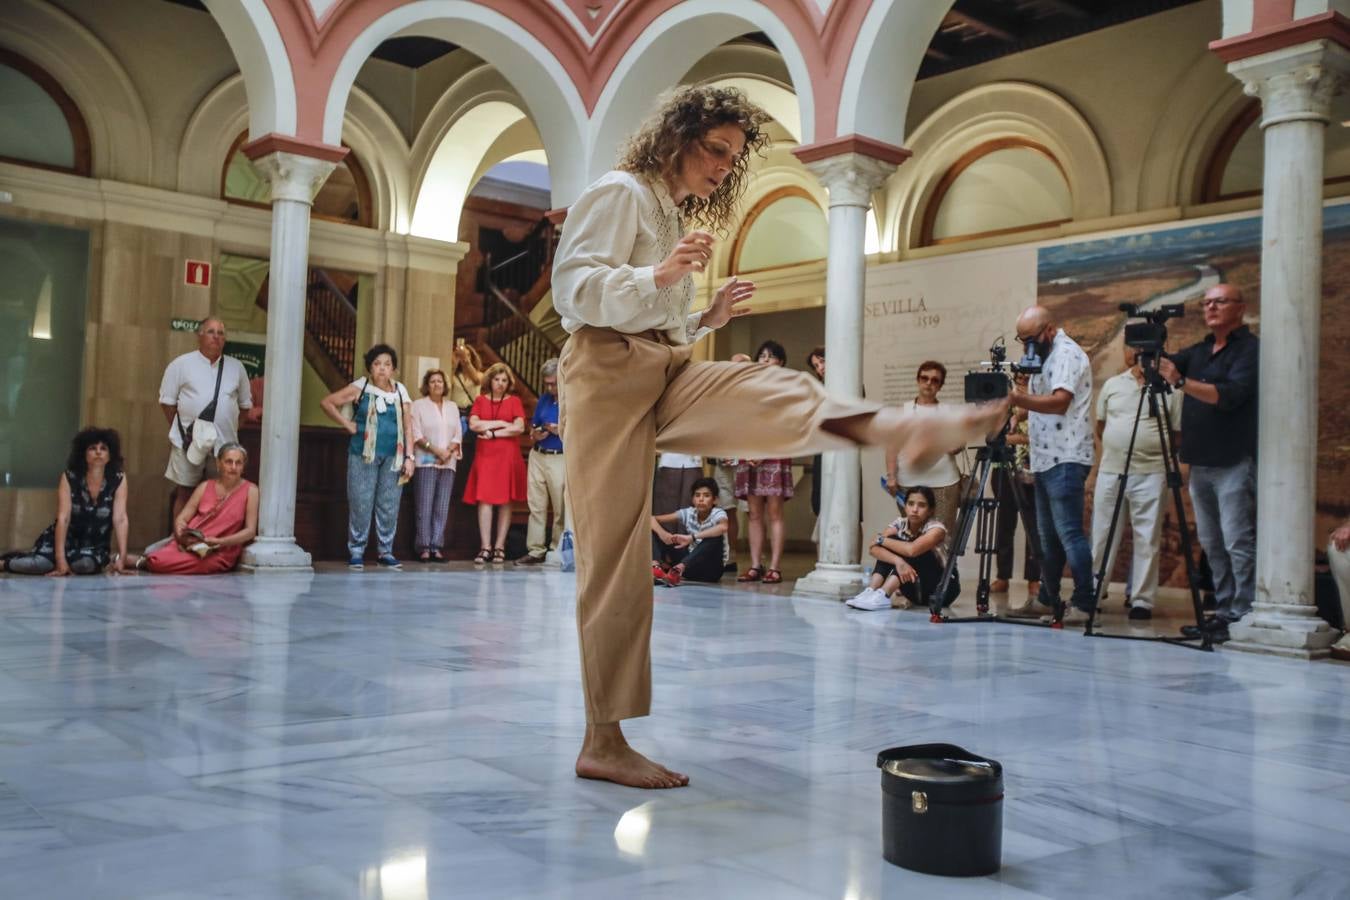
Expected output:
(909, 557)
(697, 548)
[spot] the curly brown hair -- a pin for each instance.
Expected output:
(684, 116)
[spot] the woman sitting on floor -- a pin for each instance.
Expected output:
(697, 548)
(219, 519)
(909, 557)
(91, 505)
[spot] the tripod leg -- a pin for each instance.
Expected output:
(970, 511)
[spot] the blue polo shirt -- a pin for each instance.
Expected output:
(546, 413)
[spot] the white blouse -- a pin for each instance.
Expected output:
(617, 232)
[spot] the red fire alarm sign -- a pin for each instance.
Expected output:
(197, 273)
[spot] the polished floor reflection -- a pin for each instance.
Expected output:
(411, 735)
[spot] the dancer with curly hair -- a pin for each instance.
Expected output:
(623, 281)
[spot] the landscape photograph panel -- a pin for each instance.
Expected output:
(1085, 282)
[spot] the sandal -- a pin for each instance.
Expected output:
(483, 556)
(499, 557)
(437, 556)
(773, 576)
(424, 556)
(751, 574)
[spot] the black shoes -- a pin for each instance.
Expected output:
(1140, 614)
(1216, 628)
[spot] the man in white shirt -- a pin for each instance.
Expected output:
(187, 390)
(1059, 403)
(1145, 488)
(942, 477)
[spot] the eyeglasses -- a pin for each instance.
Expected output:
(720, 153)
(930, 379)
(1217, 301)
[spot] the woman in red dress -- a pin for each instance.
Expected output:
(224, 510)
(497, 478)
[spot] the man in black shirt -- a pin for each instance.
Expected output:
(1219, 378)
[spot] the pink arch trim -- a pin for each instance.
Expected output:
(315, 47)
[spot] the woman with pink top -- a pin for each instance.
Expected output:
(437, 441)
(218, 521)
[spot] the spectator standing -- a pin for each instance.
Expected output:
(203, 388)
(765, 485)
(497, 479)
(1219, 377)
(675, 477)
(438, 445)
(1059, 403)
(944, 476)
(218, 521)
(379, 455)
(547, 475)
(91, 506)
(1016, 491)
(815, 364)
(1145, 488)
(466, 376)
(1338, 554)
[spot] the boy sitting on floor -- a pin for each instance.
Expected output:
(696, 549)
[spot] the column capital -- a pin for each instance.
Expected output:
(1295, 83)
(851, 178)
(294, 176)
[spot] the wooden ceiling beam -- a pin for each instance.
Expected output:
(984, 17)
(1067, 8)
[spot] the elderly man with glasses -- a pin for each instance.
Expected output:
(1219, 378)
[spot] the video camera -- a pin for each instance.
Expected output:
(1149, 337)
(991, 381)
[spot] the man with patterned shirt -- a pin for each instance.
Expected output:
(1059, 403)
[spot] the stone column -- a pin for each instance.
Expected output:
(294, 178)
(1295, 85)
(850, 178)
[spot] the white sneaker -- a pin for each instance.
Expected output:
(870, 599)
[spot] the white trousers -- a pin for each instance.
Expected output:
(1143, 509)
(1340, 570)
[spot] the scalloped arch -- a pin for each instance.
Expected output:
(119, 129)
(986, 113)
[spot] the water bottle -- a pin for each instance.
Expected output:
(566, 552)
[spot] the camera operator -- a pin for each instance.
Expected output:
(1146, 486)
(1219, 377)
(1059, 401)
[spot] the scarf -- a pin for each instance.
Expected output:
(379, 403)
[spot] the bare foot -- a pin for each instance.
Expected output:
(606, 756)
(924, 438)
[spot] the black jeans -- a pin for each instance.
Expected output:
(1009, 491)
(702, 561)
(929, 568)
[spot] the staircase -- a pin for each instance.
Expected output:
(513, 291)
(330, 328)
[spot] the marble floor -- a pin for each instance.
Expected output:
(411, 735)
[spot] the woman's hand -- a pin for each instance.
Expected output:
(689, 257)
(350, 425)
(62, 568)
(444, 454)
(214, 543)
(408, 467)
(666, 537)
(458, 452)
(906, 573)
(1340, 538)
(681, 540)
(892, 486)
(723, 307)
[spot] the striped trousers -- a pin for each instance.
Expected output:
(431, 493)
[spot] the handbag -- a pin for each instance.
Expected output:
(206, 415)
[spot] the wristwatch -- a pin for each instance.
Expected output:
(1181, 382)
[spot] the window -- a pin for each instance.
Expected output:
(1235, 169)
(785, 228)
(42, 313)
(343, 197)
(1001, 187)
(39, 124)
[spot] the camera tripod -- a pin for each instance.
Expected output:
(978, 515)
(1158, 412)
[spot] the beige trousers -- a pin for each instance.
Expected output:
(547, 475)
(622, 398)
